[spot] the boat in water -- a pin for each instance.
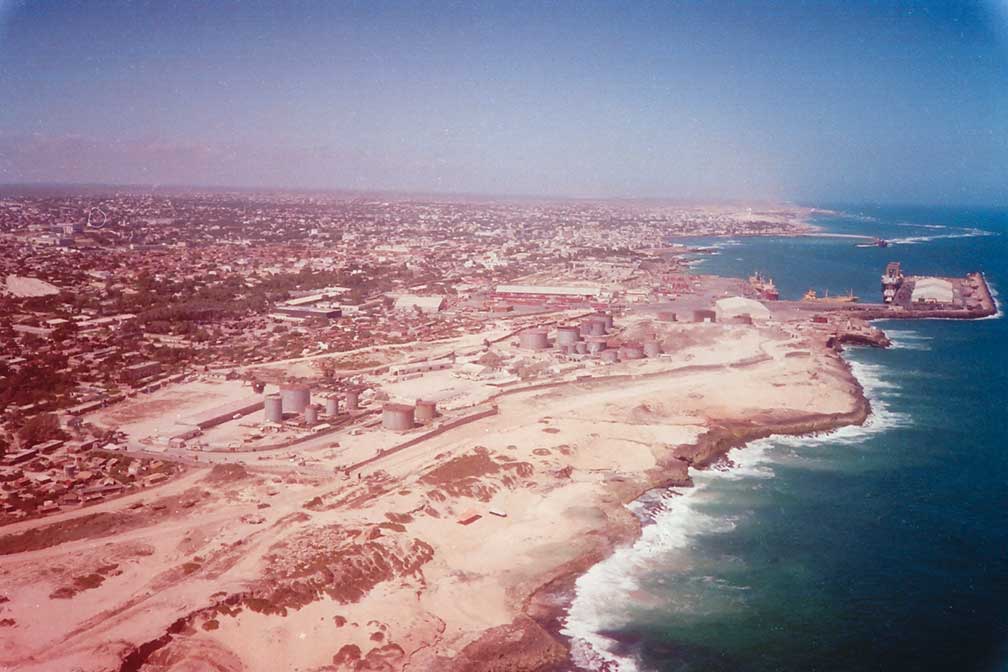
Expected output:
(765, 287)
(811, 295)
(877, 242)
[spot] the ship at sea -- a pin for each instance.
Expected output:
(764, 286)
(877, 242)
(849, 297)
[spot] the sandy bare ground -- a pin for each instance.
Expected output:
(248, 572)
(21, 287)
(155, 414)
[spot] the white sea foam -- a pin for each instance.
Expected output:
(604, 593)
(997, 304)
(904, 339)
(959, 232)
(922, 226)
(611, 583)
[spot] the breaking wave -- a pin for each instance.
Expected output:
(997, 303)
(605, 594)
(908, 340)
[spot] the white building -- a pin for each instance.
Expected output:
(535, 291)
(932, 290)
(735, 306)
(426, 304)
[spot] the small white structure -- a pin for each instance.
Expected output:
(425, 304)
(542, 291)
(736, 306)
(932, 290)
(473, 371)
(420, 368)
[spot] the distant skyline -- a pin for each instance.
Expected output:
(857, 101)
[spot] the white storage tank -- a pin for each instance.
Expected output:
(533, 339)
(596, 344)
(274, 408)
(567, 335)
(397, 417)
(352, 399)
(595, 326)
(296, 397)
(426, 410)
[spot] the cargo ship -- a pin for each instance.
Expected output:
(811, 295)
(764, 287)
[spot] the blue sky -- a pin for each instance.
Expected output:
(897, 102)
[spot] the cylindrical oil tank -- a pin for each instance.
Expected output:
(567, 335)
(610, 356)
(274, 408)
(296, 397)
(311, 415)
(651, 349)
(630, 352)
(607, 319)
(596, 344)
(397, 417)
(352, 399)
(595, 326)
(533, 339)
(581, 347)
(425, 410)
(332, 406)
(584, 328)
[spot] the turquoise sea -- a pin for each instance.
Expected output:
(883, 547)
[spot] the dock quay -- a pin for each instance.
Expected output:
(913, 298)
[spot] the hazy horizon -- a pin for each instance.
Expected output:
(860, 102)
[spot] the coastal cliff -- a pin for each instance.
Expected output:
(533, 642)
(536, 643)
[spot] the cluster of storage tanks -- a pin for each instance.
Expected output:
(569, 338)
(295, 399)
(400, 417)
(587, 338)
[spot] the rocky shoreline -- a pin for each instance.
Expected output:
(534, 642)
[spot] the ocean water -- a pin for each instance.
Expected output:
(883, 547)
